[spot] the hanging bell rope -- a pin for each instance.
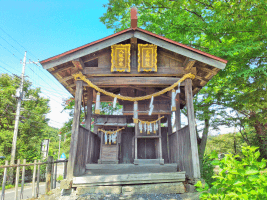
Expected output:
(80, 76)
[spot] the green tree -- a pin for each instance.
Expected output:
(32, 119)
(233, 30)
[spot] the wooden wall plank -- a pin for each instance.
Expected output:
(162, 71)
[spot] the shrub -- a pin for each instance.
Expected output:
(244, 178)
(59, 178)
(207, 170)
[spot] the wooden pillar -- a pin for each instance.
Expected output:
(75, 129)
(191, 124)
(88, 122)
(161, 161)
(178, 126)
(178, 113)
(135, 141)
(101, 145)
(169, 132)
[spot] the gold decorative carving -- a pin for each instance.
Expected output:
(147, 58)
(120, 58)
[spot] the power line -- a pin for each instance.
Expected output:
(10, 51)
(10, 44)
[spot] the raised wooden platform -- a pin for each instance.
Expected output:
(128, 179)
(116, 169)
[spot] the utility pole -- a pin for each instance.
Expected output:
(20, 97)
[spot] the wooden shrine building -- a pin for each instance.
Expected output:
(151, 77)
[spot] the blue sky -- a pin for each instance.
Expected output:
(45, 29)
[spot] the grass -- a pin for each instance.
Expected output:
(9, 186)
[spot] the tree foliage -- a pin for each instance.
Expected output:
(233, 30)
(240, 177)
(33, 125)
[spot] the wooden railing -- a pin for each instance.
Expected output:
(51, 176)
(180, 150)
(88, 150)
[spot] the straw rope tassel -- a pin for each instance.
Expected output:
(155, 131)
(97, 104)
(148, 129)
(140, 127)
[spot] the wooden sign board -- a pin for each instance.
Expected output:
(120, 58)
(147, 58)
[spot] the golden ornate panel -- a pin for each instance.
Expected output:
(120, 58)
(147, 58)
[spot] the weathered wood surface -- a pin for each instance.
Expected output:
(23, 179)
(82, 147)
(184, 152)
(88, 50)
(124, 81)
(162, 71)
(159, 142)
(80, 161)
(38, 180)
(127, 150)
(48, 173)
(192, 129)
(179, 50)
(33, 179)
(88, 122)
(17, 181)
(126, 179)
(173, 147)
(75, 130)
(112, 169)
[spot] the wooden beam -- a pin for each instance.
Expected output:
(66, 78)
(75, 130)
(192, 129)
(61, 69)
(179, 50)
(188, 64)
(121, 81)
(78, 63)
(162, 71)
(87, 50)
